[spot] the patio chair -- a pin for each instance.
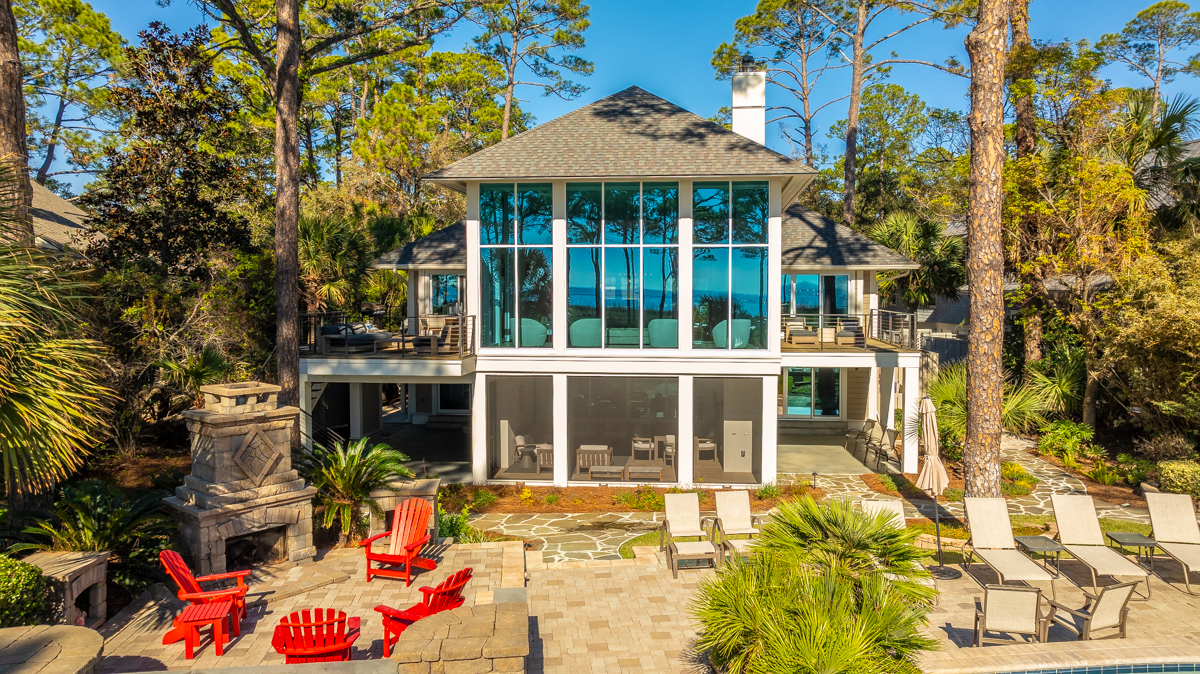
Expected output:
(864, 433)
(545, 457)
(1175, 530)
(740, 328)
(735, 519)
(190, 591)
(640, 444)
(585, 333)
(663, 333)
(882, 447)
(992, 540)
(533, 333)
(596, 459)
(447, 595)
(867, 440)
(682, 520)
(1079, 532)
(705, 445)
(410, 533)
(1011, 610)
(1109, 609)
(319, 635)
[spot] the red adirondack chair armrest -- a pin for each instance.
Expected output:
(279, 639)
(427, 590)
(212, 594)
(353, 623)
(400, 614)
(240, 575)
(417, 544)
(369, 541)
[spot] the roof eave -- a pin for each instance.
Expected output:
(850, 267)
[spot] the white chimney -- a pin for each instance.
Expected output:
(750, 101)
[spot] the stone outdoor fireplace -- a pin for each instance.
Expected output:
(243, 503)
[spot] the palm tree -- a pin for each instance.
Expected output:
(827, 589)
(334, 259)
(195, 370)
(1023, 409)
(345, 475)
(1159, 148)
(942, 259)
(50, 378)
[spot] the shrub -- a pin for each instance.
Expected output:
(769, 490)
(1103, 474)
(1135, 469)
(888, 482)
(953, 494)
(1180, 477)
(551, 499)
(1064, 439)
(951, 450)
(642, 498)
(1013, 471)
(23, 593)
(453, 525)
(483, 498)
(344, 476)
(526, 496)
(1165, 447)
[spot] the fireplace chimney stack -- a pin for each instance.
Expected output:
(750, 101)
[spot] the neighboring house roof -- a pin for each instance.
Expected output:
(56, 221)
(446, 247)
(951, 311)
(813, 240)
(630, 134)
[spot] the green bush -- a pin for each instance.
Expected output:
(767, 491)
(951, 450)
(551, 499)
(1064, 439)
(1135, 469)
(1165, 447)
(953, 494)
(483, 498)
(1103, 474)
(642, 498)
(1180, 477)
(454, 525)
(22, 593)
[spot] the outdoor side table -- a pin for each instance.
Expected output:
(1144, 544)
(198, 615)
(70, 575)
(1045, 546)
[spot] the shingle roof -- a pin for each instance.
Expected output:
(446, 247)
(631, 133)
(811, 239)
(56, 220)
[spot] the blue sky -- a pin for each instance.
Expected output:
(664, 46)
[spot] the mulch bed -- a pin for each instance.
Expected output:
(907, 487)
(586, 499)
(138, 472)
(1116, 494)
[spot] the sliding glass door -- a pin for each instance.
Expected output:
(812, 392)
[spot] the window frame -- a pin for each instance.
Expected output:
(517, 247)
(730, 245)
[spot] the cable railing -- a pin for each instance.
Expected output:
(839, 332)
(387, 333)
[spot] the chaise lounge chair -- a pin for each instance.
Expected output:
(1079, 532)
(735, 519)
(682, 520)
(992, 540)
(1175, 530)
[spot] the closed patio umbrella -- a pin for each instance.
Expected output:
(933, 478)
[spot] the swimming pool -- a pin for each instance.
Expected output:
(1117, 669)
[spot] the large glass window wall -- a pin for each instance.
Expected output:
(622, 265)
(623, 429)
(811, 392)
(517, 269)
(730, 264)
(520, 428)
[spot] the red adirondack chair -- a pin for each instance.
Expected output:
(447, 595)
(319, 635)
(409, 534)
(189, 590)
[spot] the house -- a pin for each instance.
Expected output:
(57, 223)
(633, 295)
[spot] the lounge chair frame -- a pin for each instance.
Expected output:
(1175, 531)
(1081, 535)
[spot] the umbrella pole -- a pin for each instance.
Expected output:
(937, 527)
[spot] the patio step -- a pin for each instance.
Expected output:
(809, 427)
(448, 421)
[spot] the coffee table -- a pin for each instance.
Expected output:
(1144, 544)
(607, 471)
(644, 472)
(1045, 546)
(198, 615)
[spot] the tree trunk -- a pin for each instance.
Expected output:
(856, 80)
(287, 200)
(12, 120)
(1033, 334)
(985, 254)
(1091, 391)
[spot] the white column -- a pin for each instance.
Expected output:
(685, 283)
(479, 458)
(562, 470)
(774, 271)
(912, 393)
(770, 431)
(414, 308)
(873, 393)
(887, 394)
(356, 410)
(307, 406)
(683, 441)
(473, 276)
(559, 277)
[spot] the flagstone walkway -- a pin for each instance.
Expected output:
(598, 536)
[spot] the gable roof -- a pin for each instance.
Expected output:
(630, 134)
(813, 240)
(446, 247)
(55, 220)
